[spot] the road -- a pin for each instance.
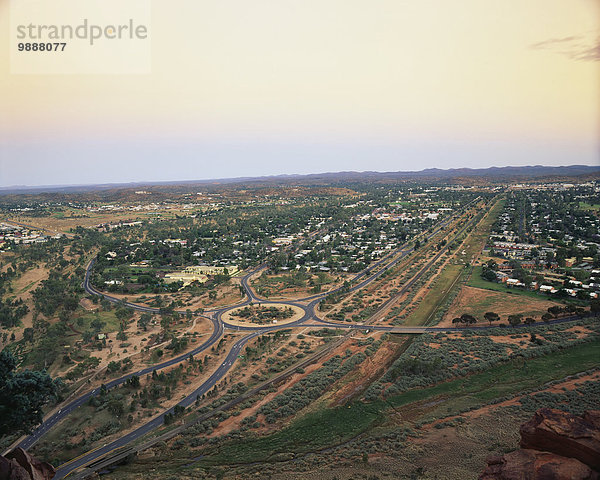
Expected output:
(307, 304)
(67, 409)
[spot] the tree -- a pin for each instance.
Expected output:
(491, 317)
(555, 310)
(488, 274)
(22, 396)
(28, 334)
(534, 339)
(113, 367)
(97, 324)
(105, 304)
(468, 319)
(546, 317)
(144, 321)
(529, 321)
(121, 335)
(124, 313)
(515, 320)
(165, 322)
(87, 336)
(115, 405)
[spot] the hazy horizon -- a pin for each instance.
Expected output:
(272, 176)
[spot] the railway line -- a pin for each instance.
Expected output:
(122, 447)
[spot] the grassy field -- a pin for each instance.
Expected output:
(453, 275)
(477, 301)
(109, 318)
(436, 296)
(479, 236)
(512, 378)
(329, 427)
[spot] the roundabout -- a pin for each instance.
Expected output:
(272, 314)
(255, 316)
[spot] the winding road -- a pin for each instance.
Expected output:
(308, 319)
(307, 304)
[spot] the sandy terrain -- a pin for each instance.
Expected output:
(28, 281)
(366, 373)
(280, 291)
(23, 286)
(226, 295)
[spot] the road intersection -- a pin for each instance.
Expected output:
(215, 316)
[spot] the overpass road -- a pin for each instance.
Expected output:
(308, 319)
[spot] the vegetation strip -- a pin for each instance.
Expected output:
(328, 427)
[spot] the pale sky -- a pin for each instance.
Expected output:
(247, 88)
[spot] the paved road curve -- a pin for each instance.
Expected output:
(215, 316)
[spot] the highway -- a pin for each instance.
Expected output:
(307, 304)
(67, 409)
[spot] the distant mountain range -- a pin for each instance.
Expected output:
(491, 172)
(535, 172)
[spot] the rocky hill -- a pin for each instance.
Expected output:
(554, 446)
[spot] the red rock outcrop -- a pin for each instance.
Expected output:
(19, 465)
(564, 434)
(555, 446)
(534, 465)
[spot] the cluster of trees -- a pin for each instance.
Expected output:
(337, 297)
(82, 367)
(310, 387)
(22, 396)
(296, 278)
(556, 311)
(57, 293)
(51, 339)
(265, 343)
(131, 395)
(488, 272)
(177, 345)
(515, 319)
(11, 311)
(261, 314)
(178, 411)
(412, 366)
(464, 318)
(119, 365)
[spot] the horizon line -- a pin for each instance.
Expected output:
(285, 175)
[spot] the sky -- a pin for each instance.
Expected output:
(269, 87)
